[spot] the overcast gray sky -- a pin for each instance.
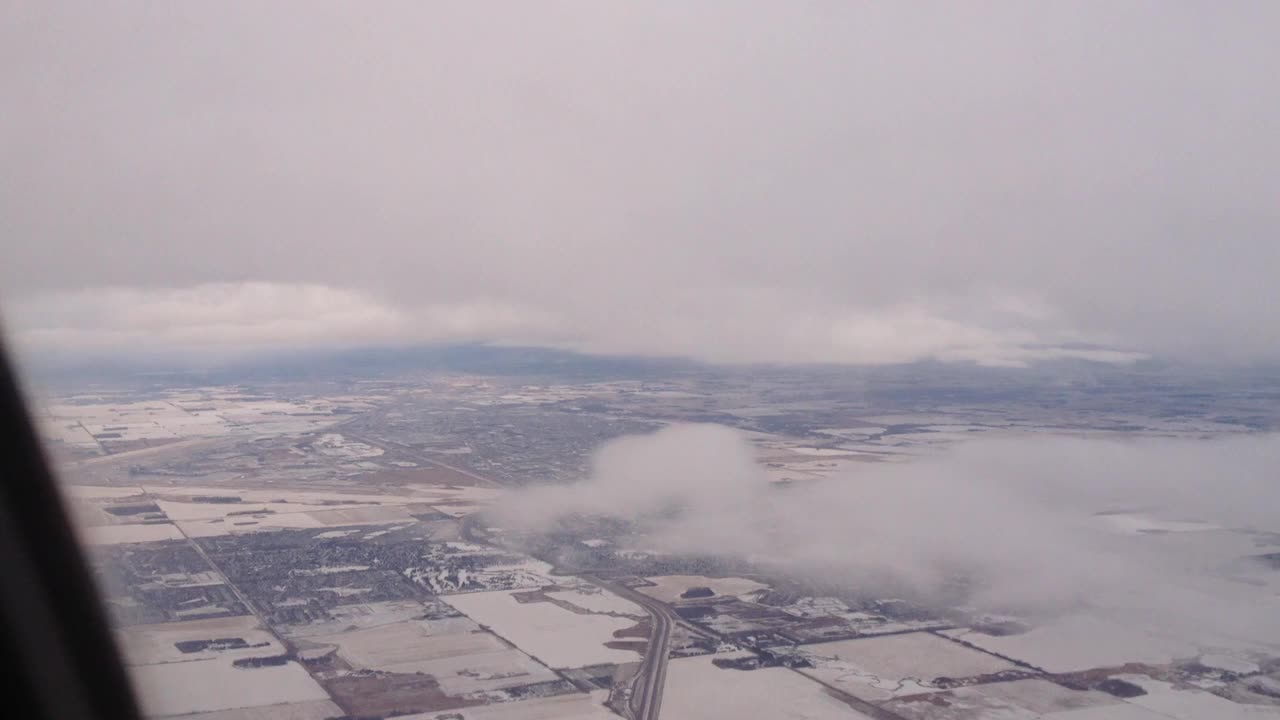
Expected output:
(763, 181)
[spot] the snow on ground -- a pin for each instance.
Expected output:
(668, 588)
(365, 615)
(101, 491)
(532, 572)
(154, 644)
(335, 445)
(879, 668)
(179, 511)
(1163, 700)
(323, 499)
(1018, 700)
(1028, 699)
(134, 533)
(1119, 711)
(72, 433)
(327, 569)
(459, 509)
(456, 501)
(786, 474)
(598, 600)
(1230, 663)
(308, 710)
(826, 466)
(481, 672)
(146, 430)
(405, 643)
(256, 509)
(209, 415)
(247, 523)
(454, 493)
(1081, 643)
(334, 534)
(821, 452)
(186, 687)
(560, 707)
(369, 515)
(698, 690)
(456, 652)
(558, 637)
(855, 433)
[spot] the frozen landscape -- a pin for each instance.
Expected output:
(447, 545)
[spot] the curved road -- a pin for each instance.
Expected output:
(646, 694)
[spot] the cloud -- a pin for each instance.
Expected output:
(771, 182)
(227, 320)
(224, 320)
(1015, 523)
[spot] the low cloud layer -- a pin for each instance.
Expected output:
(214, 322)
(1016, 522)
(835, 182)
(217, 321)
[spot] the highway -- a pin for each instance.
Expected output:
(646, 693)
(424, 458)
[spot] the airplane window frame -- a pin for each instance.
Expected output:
(58, 651)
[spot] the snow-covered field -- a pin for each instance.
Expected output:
(132, 533)
(370, 515)
(879, 668)
(103, 491)
(455, 651)
(1164, 701)
(518, 573)
(598, 600)
(211, 413)
(175, 688)
(398, 646)
(853, 433)
(356, 616)
(821, 452)
(1080, 643)
(668, 588)
(154, 644)
(247, 523)
(1119, 711)
(181, 510)
(335, 445)
(558, 637)
(251, 510)
(560, 707)
(698, 690)
(306, 710)
(482, 672)
(180, 503)
(1028, 699)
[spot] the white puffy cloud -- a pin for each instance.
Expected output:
(1012, 524)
